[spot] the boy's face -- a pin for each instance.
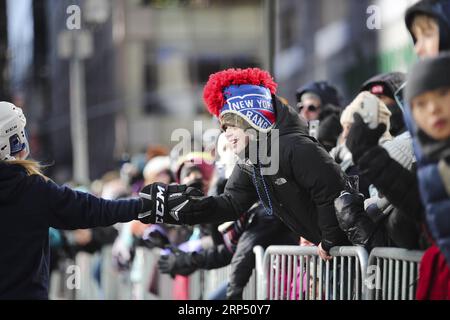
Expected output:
(237, 139)
(426, 32)
(431, 111)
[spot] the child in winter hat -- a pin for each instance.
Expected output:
(428, 94)
(242, 98)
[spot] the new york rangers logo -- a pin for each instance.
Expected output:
(251, 102)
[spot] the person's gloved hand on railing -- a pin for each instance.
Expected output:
(353, 220)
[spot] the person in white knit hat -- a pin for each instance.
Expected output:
(341, 153)
(356, 106)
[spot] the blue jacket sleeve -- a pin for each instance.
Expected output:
(72, 210)
(437, 204)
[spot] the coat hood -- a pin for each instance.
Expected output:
(287, 119)
(391, 81)
(11, 178)
(328, 94)
(439, 10)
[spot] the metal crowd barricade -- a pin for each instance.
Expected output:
(392, 274)
(298, 273)
(133, 284)
(204, 283)
(259, 272)
(213, 279)
(251, 289)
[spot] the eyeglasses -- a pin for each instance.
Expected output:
(310, 108)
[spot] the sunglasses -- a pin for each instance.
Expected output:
(310, 108)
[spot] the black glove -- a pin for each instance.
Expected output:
(178, 262)
(361, 138)
(166, 203)
(352, 218)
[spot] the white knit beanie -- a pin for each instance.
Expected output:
(383, 112)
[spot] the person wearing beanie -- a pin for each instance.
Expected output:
(320, 101)
(300, 192)
(428, 22)
(357, 140)
(428, 95)
(385, 86)
(355, 108)
(384, 224)
(341, 153)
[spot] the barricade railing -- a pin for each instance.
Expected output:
(132, 284)
(392, 274)
(298, 273)
(214, 279)
(259, 272)
(281, 273)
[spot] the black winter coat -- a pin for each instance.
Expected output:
(29, 205)
(397, 184)
(400, 186)
(301, 194)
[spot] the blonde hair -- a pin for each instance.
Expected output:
(32, 168)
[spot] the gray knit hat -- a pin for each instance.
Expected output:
(428, 75)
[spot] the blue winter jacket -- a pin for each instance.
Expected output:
(437, 205)
(29, 205)
(434, 197)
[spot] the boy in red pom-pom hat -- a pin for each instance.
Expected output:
(300, 191)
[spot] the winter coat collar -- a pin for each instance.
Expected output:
(288, 120)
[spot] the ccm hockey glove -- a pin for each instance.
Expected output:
(167, 204)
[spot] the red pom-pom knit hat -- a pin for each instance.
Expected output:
(246, 93)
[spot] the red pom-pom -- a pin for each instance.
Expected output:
(213, 92)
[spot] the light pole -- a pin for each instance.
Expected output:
(77, 45)
(270, 9)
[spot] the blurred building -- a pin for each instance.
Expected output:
(169, 49)
(151, 58)
(143, 79)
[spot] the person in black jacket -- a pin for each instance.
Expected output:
(399, 223)
(30, 203)
(296, 179)
(254, 228)
(320, 101)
